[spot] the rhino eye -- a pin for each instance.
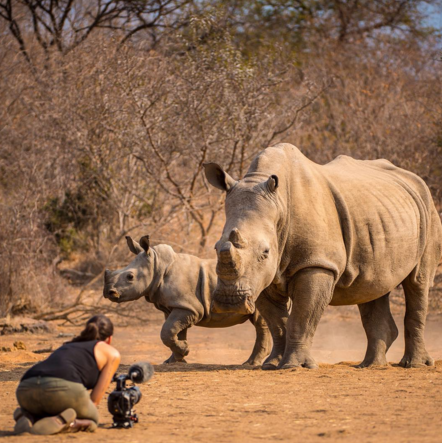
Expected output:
(265, 254)
(130, 277)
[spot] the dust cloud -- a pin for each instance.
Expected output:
(339, 337)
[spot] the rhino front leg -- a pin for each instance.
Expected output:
(263, 341)
(275, 313)
(311, 291)
(174, 333)
(380, 329)
(183, 337)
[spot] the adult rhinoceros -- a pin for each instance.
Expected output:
(343, 233)
(181, 286)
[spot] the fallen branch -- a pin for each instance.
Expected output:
(76, 315)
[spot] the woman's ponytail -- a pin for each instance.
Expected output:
(99, 327)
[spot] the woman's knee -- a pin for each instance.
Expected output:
(87, 410)
(28, 397)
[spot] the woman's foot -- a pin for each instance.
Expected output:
(82, 425)
(54, 425)
(23, 421)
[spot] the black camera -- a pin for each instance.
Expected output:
(121, 401)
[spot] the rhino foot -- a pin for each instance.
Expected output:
(409, 361)
(250, 363)
(269, 367)
(307, 364)
(172, 359)
(296, 359)
(254, 361)
(367, 363)
(272, 361)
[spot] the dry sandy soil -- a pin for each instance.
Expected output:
(214, 399)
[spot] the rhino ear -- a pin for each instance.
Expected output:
(217, 177)
(144, 243)
(272, 183)
(134, 247)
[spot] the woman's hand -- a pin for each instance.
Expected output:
(108, 360)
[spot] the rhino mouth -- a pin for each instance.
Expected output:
(240, 302)
(113, 295)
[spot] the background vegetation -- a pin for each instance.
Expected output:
(109, 108)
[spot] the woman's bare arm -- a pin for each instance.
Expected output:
(108, 360)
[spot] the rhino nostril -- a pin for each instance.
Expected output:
(112, 292)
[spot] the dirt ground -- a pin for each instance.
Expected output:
(213, 398)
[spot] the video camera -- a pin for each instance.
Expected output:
(121, 401)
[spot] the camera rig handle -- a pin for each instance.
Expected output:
(121, 381)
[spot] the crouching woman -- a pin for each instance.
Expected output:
(53, 394)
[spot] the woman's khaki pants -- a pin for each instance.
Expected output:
(48, 396)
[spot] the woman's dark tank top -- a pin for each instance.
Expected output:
(72, 361)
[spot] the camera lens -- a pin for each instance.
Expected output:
(135, 394)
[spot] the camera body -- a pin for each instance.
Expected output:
(122, 400)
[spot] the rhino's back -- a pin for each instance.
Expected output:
(186, 282)
(385, 215)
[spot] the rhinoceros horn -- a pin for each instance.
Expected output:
(229, 261)
(226, 253)
(237, 239)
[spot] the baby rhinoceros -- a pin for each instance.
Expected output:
(181, 286)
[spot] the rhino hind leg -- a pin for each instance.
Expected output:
(416, 303)
(263, 342)
(275, 314)
(380, 329)
(311, 291)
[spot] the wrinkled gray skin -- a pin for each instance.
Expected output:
(181, 286)
(343, 233)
